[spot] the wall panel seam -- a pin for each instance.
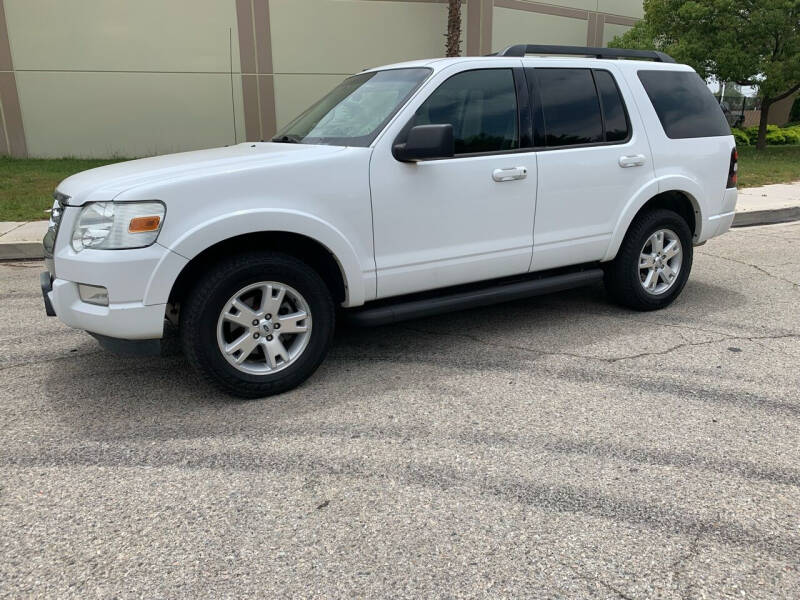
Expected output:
(545, 9)
(13, 127)
(4, 142)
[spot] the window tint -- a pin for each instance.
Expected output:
(480, 105)
(684, 104)
(570, 106)
(613, 110)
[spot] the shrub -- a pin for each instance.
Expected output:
(791, 135)
(775, 138)
(741, 137)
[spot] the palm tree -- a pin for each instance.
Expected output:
(453, 28)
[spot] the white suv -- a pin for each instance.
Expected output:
(409, 190)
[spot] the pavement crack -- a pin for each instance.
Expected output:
(595, 579)
(727, 338)
(677, 567)
(12, 229)
(609, 360)
(756, 267)
(480, 340)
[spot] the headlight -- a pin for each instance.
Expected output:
(118, 225)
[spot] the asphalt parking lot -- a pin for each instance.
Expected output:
(559, 447)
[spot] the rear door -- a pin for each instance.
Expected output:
(593, 157)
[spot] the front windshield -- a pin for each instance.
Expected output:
(356, 110)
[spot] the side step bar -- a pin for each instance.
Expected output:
(414, 309)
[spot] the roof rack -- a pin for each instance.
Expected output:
(519, 50)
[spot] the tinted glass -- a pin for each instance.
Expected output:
(480, 105)
(356, 110)
(613, 109)
(570, 105)
(684, 104)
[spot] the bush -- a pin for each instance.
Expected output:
(741, 137)
(792, 135)
(776, 136)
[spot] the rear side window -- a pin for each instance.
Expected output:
(613, 110)
(481, 106)
(570, 105)
(684, 104)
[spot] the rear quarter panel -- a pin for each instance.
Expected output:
(695, 166)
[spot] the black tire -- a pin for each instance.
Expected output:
(622, 277)
(201, 309)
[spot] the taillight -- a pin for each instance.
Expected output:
(733, 170)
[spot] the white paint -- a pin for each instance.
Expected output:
(434, 224)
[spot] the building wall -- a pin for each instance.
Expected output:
(120, 78)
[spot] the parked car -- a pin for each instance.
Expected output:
(410, 190)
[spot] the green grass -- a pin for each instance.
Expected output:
(774, 164)
(26, 185)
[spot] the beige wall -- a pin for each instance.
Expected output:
(115, 77)
(140, 77)
(610, 31)
(310, 57)
(512, 26)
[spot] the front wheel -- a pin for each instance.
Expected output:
(653, 262)
(258, 324)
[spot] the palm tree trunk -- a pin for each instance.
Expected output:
(453, 28)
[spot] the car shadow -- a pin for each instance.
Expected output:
(105, 395)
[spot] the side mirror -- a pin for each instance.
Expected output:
(426, 141)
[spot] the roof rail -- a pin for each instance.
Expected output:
(519, 50)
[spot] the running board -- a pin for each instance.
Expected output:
(427, 307)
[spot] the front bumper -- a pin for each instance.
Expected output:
(46, 281)
(79, 317)
(126, 320)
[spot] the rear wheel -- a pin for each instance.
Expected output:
(653, 262)
(258, 324)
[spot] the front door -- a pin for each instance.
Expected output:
(444, 222)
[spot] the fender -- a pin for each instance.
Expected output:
(678, 183)
(357, 279)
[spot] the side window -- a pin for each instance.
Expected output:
(616, 120)
(570, 105)
(684, 104)
(481, 106)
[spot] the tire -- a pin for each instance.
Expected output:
(211, 322)
(624, 279)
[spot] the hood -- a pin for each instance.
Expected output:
(106, 183)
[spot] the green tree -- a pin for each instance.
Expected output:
(750, 42)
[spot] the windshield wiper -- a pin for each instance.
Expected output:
(287, 139)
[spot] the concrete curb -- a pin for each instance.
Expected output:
(21, 250)
(33, 250)
(766, 217)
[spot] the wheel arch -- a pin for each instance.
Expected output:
(679, 200)
(310, 251)
(303, 236)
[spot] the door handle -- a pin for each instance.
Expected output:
(635, 160)
(511, 174)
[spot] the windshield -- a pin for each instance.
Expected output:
(356, 110)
